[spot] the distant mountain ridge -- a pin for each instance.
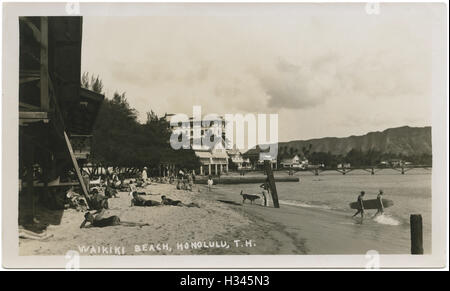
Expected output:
(401, 140)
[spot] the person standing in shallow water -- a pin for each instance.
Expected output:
(360, 205)
(265, 191)
(380, 210)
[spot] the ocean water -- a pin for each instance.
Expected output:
(331, 192)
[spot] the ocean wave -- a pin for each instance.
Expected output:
(305, 204)
(384, 219)
(387, 219)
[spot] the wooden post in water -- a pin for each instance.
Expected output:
(416, 234)
(271, 180)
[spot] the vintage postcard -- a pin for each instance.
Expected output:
(225, 135)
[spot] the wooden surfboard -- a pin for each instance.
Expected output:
(372, 204)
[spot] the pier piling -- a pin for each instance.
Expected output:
(416, 234)
(271, 180)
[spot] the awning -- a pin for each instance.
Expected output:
(203, 155)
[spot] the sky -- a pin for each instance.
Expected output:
(326, 70)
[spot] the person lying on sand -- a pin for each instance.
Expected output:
(139, 201)
(168, 201)
(99, 221)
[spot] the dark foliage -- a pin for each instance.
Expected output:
(119, 140)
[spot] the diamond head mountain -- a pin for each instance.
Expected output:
(403, 140)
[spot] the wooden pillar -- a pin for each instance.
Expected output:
(271, 180)
(45, 101)
(46, 163)
(221, 168)
(29, 159)
(215, 169)
(201, 170)
(209, 169)
(416, 234)
(77, 170)
(45, 171)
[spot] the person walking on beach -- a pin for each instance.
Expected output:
(210, 183)
(180, 174)
(361, 205)
(144, 174)
(380, 210)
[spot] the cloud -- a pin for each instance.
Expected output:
(295, 87)
(297, 61)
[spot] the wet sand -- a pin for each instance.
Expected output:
(317, 231)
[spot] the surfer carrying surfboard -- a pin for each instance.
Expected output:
(360, 205)
(380, 203)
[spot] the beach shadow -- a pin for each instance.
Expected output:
(229, 202)
(49, 211)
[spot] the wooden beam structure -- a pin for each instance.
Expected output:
(44, 76)
(77, 170)
(26, 117)
(52, 106)
(34, 29)
(271, 181)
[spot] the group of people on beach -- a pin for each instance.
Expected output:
(185, 180)
(360, 203)
(108, 186)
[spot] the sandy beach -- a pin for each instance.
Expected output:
(223, 225)
(214, 228)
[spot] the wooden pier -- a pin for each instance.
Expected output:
(402, 169)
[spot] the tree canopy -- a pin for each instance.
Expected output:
(120, 140)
